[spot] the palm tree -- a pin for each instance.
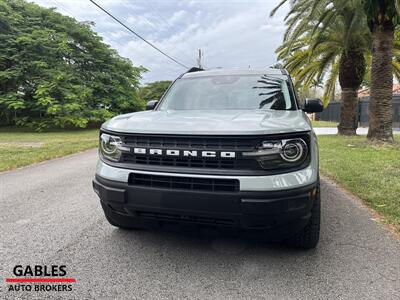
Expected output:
(396, 54)
(382, 16)
(316, 47)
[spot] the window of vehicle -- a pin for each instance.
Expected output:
(230, 92)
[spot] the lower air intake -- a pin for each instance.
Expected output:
(184, 183)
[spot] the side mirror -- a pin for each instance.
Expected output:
(313, 105)
(151, 104)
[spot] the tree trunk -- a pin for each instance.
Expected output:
(351, 74)
(348, 112)
(380, 106)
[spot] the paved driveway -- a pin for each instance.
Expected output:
(49, 215)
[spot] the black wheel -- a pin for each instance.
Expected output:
(308, 237)
(120, 221)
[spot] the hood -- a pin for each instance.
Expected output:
(221, 122)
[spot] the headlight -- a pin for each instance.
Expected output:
(294, 150)
(280, 154)
(111, 146)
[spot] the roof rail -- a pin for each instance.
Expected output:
(191, 70)
(281, 67)
(284, 72)
(194, 69)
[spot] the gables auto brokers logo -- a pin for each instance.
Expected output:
(40, 278)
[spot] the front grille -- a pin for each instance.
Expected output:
(184, 183)
(195, 143)
(213, 163)
(221, 165)
(235, 144)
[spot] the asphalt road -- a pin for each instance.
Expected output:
(50, 215)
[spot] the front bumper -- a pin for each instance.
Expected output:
(277, 182)
(278, 213)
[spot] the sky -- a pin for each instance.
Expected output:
(231, 33)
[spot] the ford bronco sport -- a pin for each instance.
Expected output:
(222, 148)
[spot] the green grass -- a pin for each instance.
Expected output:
(369, 171)
(324, 124)
(20, 146)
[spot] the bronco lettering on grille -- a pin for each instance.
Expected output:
(186, 153)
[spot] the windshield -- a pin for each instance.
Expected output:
(233, 92)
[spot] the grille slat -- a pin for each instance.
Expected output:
(209, 143)
(192, 143)
(237, 144)
(184, 183)
(190, 162)
(177, 217)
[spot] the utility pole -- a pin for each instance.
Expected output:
(199, 59)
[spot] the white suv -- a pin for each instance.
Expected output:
(222, 148)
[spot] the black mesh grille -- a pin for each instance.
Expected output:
(201, 143)
(184, 183)
(238, 165)
(191, 162)
(236, 144)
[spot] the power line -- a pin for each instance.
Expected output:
(109, 39)
(62, 8)
(138, 35)
(165, 21)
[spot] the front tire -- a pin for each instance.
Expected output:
(308, 237)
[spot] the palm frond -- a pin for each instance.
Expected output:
(296, 62)
(326, 17)
(276, 8)
(306, 75)
(350, 29)
(325, 62)
(396, 69)
(397, 4)
(331, 84)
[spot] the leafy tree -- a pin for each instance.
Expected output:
(56, 72)
(154, 90)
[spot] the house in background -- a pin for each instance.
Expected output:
(365, 92)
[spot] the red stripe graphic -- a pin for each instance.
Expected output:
(27, 279)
